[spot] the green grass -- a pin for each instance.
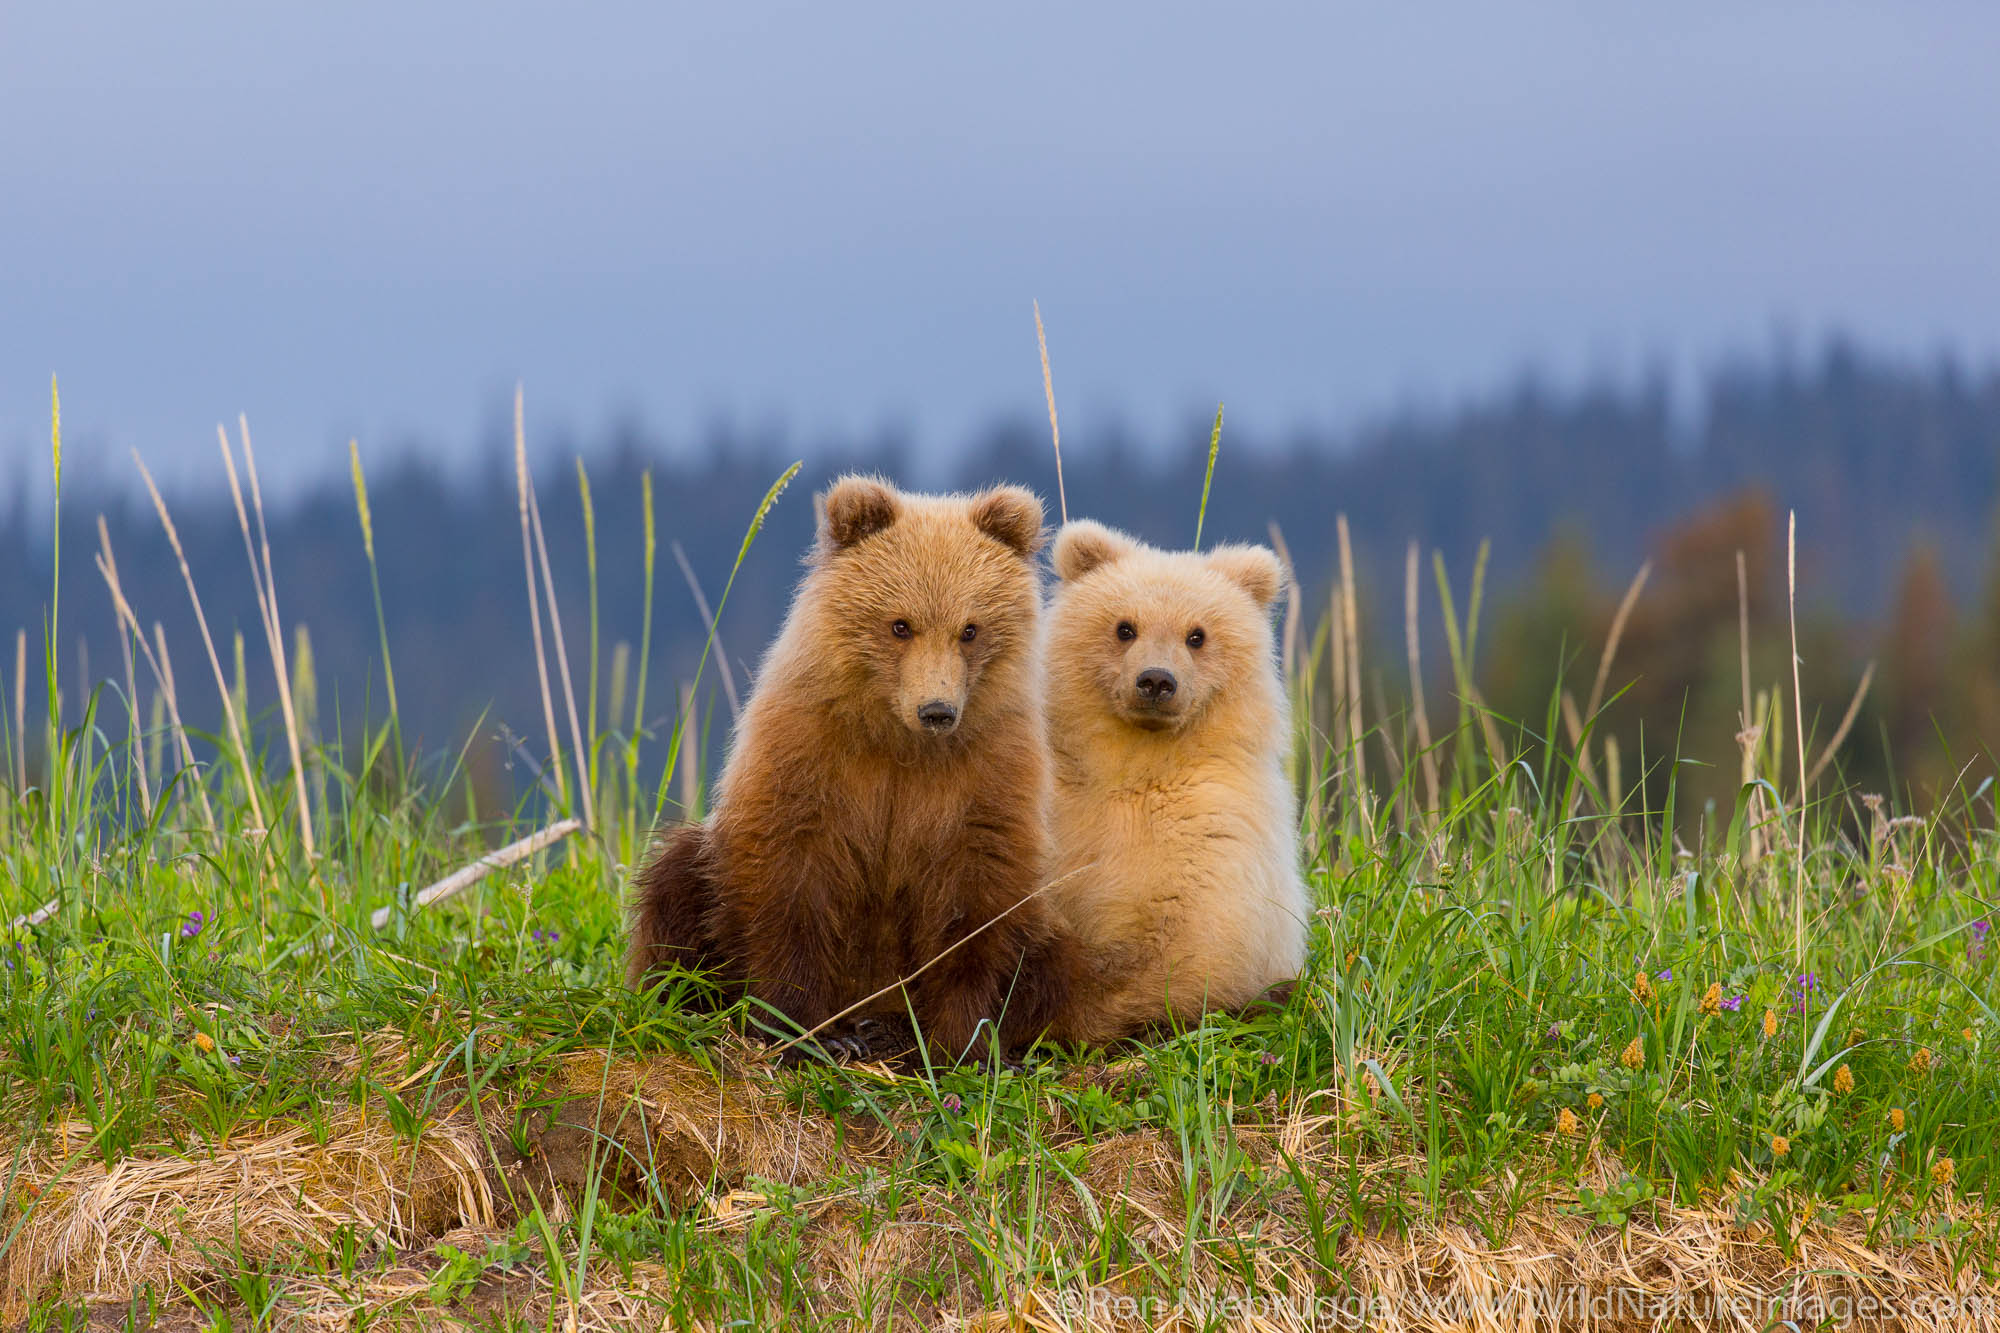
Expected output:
(1469, 1053)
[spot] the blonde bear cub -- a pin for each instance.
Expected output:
(1175, 825)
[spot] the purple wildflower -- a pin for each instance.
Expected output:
(1665, 974)
(951, 1102)
(192, 926)
(1267, 1059)
(1555, 1032)
(546, 936)
(1975, 948)
(1734, 1002)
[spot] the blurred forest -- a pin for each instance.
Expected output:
(1891, 469)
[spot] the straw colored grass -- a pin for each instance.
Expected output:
(104, 1232)
(706, 1137)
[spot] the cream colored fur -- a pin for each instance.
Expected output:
(1176, 825)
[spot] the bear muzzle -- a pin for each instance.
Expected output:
(1155, 702)
(938, 716)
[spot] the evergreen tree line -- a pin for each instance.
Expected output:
(1891, 468)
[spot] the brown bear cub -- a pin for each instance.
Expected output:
(887, 789)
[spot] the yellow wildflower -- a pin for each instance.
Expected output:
(204, 1042)
(1594, 1100)
(1634, 1055)
(1770, 1022)
(1567, 1124)
(1843, 1080)
(1711, 999)
(1780, 1145)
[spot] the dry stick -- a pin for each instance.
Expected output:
(708, 619)
(163, 674)
(131, 687)
(562, 657)
(1799, 724)
(944, 953)
(20, 710)
(229, 718)
(1747, 736)
(265, 585)
(463, 878)
(1049, 392)
(534, 598)
(36, 917)
(1617, 633)
(1337, 703)
(1743, 630)
(1846, 724)
(1423, 718)
(1348, 599)
(690, 754)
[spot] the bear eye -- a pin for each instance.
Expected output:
(1126, 631)
(1196, 638)
(901, 629)
(968, 634)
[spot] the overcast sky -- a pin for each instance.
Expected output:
(370, 219)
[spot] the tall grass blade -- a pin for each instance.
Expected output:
(708, 620)
(375, 587)
(1208, 476)
(238, 740)
(266, 586)
(708, 644)
(523, 488)
(1055, 430)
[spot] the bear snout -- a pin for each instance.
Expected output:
(938, 716)
(1156, 685)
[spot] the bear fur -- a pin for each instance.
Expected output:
(1176, 827)
(887, 789)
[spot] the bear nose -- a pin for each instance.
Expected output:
(937, 715)
(1156, 685)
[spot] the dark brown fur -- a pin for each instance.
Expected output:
(848, 847)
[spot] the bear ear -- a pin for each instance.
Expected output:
(1253, 568)
(1012, 516)
(1085, 544)
(856, 507)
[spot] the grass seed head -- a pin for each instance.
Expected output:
(1567, 1123)
(1594, 1101)
(1897, 1119)
(1920, 1063)
(1843, 1080)
(1770, 1022)
(1642, 987)
(1942, 1171)
(1634, 1056)
(1711, 999)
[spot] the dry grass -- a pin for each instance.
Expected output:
(693, 1136)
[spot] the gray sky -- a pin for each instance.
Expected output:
(370, 219)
